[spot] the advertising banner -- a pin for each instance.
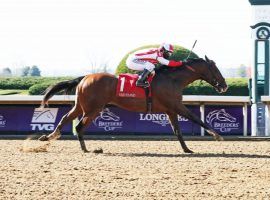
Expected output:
(18, 119)
(114, 120)
(21, 119)
(226, 120)
(159, 123)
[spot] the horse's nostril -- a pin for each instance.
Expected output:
(223, 89)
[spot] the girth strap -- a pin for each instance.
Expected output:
(148, 100)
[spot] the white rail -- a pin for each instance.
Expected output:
(25, 99)
(35, 99)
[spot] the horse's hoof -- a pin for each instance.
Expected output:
(188, 151)
(85, 151)
(219, 138)
(43, 138)
(99, 150)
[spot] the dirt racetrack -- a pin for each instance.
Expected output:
(136, 170)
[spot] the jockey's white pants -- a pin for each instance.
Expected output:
(139, 65)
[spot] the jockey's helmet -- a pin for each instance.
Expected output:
(166, 49)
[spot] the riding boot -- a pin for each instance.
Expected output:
(141, 82)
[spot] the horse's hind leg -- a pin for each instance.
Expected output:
(71, 115)
(85, 120)
(177, 132)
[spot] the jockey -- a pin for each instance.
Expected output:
(146, 61)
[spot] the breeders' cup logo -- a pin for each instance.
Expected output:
(2, 121)
(221, 120)
(108, 120)
(44, 119)
(161, 119)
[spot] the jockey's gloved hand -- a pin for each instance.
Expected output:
(184, 62)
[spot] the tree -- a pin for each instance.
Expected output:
(98, 65)
(25, 71)
(180, 53)
(34, 71)
(6, 72)
(242, 71)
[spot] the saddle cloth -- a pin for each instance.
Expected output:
(126, 86)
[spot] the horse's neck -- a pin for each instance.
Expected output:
(187, 76)
(182, 76)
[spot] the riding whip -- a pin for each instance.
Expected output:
(191, 49)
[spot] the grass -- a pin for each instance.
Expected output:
(13, 92)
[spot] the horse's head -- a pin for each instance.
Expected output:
(210, 73)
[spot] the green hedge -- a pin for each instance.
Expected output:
(180, 53)
(17, 83)
(36, 86)
(24, 83)
(236, 87)
(39, 89)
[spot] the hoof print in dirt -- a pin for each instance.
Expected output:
(99, 150)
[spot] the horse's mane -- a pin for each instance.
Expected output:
(194, 60)
(166, 69)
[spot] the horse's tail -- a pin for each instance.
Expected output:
(66, 86)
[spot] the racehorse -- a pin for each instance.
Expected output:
(95, 91)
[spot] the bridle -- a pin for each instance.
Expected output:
(214, 81)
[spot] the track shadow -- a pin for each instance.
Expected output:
(194, 155)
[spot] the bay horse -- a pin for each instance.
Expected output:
(95, 91)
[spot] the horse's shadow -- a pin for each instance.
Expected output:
(194, 155)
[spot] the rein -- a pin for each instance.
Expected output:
(191, 68)
(214, 81)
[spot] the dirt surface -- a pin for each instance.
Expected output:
(135, 170)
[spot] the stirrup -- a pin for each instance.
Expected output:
(142, 84)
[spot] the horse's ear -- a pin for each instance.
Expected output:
(206, 58)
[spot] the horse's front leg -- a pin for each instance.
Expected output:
(183, 111)
(84, 121)
(79, 129)
(177, 131)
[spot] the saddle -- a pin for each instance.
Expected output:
(126, 87)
